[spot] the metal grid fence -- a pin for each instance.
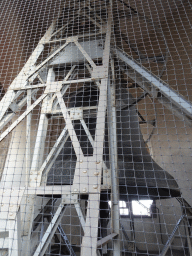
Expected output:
(95, 119)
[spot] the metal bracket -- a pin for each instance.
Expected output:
(76, 113)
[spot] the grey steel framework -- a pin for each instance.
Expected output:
(92, 174)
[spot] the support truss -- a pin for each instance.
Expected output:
(88, 171)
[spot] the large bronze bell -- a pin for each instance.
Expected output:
(140, 176)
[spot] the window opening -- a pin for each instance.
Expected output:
(139, 207)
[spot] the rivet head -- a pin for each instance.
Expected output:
(95, 186)
(75, 190)
(96, 173)
(81, 161)
(84, 190)
(98, 162)
(11, 213)
(85, 171)
(106, 171)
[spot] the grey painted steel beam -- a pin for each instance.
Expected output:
(111, 114)
(106, 239)
(177, 101)
(153, 92)
(41, 249)
(170, 240)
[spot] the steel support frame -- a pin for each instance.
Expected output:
(85, 182)
(171, 99)
(34, 176)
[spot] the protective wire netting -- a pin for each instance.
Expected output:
(95, 119)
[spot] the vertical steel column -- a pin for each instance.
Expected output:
(15, 236)
(28, 138)
(36, 161)
(41, 133)
(89, 242)
(111, 112)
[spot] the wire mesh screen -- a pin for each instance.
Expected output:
(95, 120)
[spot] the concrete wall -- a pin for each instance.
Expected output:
(151, 234)
(171, 144)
